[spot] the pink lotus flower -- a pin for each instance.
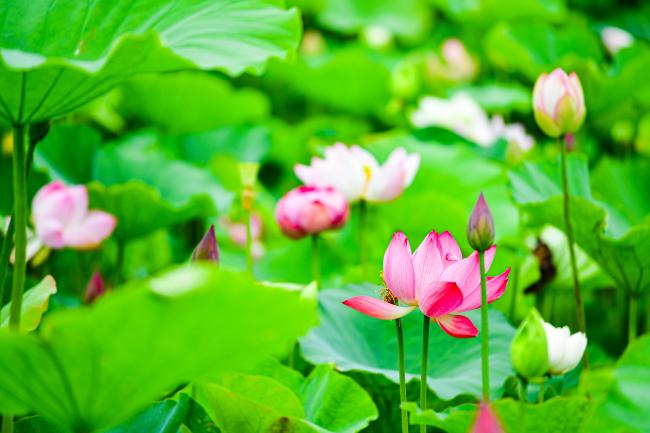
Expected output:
(62, 219)
(309, 210)
(486, 421)
(237, 233)
(356, 173)
(558, 103)
(436, 279)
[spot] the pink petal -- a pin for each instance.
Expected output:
(91, 231)
(50, 231)
(388, 183)
(398, 269)
(377, 308)
(440, 298)
(487, 421)
(449, 249)
(457, 326)
(427, 263)
(495, 288)
(466, 272)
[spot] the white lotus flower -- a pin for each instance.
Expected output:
(565, 350)
(355, 173)
(615, 39)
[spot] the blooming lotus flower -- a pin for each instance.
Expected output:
(309, 210)
(436, 279)
(565, 350)
(357, 175)
(62, 219)
(558, 103)
(486, 421)
(615, 39)
(207, 249)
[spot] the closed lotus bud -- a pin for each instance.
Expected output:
(486, 421)
(207, 250)
(95, 288)
(558, 103)
(309, 210)
(480, 229)
(529, 351)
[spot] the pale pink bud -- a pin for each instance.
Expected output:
(95, 288)
(480, 229)
(310, 210)
(207, 249)
(62, 219)
(486, 421)
(558, 103)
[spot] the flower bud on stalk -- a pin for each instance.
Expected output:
(558, 103)
(95, 288)
(528, 350)
(480, 229)
(207, 249)
(309, 210)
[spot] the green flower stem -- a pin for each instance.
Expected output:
(8, 241)
(633, 315)
(423, 373)
(485, 351)
(7, 423)
(315, 261)
(402, 375)
(523, 390)
(249, 242)
(363, 248)
(20, 216)
(540, 398)
(572, 253)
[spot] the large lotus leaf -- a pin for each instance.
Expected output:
(486, 12)
(56, 56)
(34, 305)
(355, 342)
(90, 368)
(324, 402)
(621, 248)
(404, 18)
(562, 414)
(189, 101)
(139, 157)
(626, 407)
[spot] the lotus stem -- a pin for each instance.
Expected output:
(633, 315)
(572, 253)
(523, 390)
(423, 373)
(363, 252)
(20, 216)
(485, 350)
(249, 242)
(402, 375)
(7, 423)
(540, 398)
(315, 261)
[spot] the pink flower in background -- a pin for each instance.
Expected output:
(486, 421)
(558, 103)
(207, 250)
(436, 279)
(309, 210)
(62, 219)
(357, 175)
(237, 233)
(95, 288)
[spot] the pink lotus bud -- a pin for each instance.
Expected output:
(207, 249)
(487, 421)
(94, 289)
(62, 219)
(558, 103)
(310, 210)
(480, 229)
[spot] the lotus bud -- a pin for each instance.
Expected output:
(95, 288)
(528, 350)
(486, 421)
(480, 229)
(565, 350)
(208, 249)
(558, 103)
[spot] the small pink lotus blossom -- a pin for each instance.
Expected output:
(355, 173)
(95, 288)
(62, 219)
(237, 233)
(436, 279)
(309, 210)
(558, 103)
(486, 421)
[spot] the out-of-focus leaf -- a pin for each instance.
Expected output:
(35, 424)
(250, 143)
(562, 414)
(191, 101)
(91, 368)
(501, 97)
(59, 56)
(486, 12)
(355, 342)
(35, 302)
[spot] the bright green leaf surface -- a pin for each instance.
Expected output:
(35, 302)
